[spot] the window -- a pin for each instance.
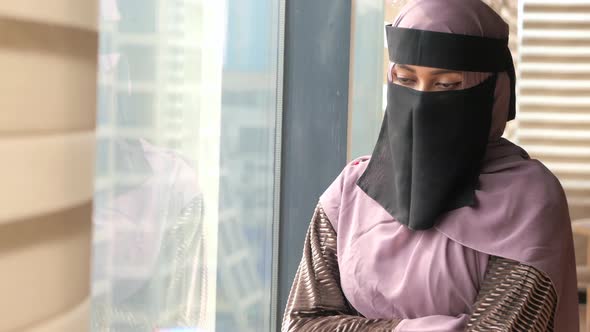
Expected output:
(366, 65)
(140, 60)
(187, 111)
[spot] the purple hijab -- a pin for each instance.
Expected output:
(431, 278)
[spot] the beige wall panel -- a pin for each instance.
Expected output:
(48, 52)
(76, 13)
(73, 320)
(44, 263)
(43, 174)
(49, 78)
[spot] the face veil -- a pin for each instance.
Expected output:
(431, 145)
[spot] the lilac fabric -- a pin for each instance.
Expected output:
(431, 278)
(522, 214)
(389, 271)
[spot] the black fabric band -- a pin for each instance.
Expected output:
(452, 51)
(446, 50)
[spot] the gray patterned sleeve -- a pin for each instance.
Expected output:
(514, 297)
(316, 302)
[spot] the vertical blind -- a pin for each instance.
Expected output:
(48, 64)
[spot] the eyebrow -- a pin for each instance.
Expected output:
(434, 72)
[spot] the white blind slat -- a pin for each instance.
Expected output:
(556, 3)
(548, 51)
(553, 118)
(537, 67)
(554, 84)
(559, 101)
(555, 17)
(543, 133)
(562, 151)
(577, 34)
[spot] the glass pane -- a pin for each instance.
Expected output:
(365, 75)
(368, 68)
(185, 165)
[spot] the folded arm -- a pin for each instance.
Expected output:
(316, 302)
(513, 297)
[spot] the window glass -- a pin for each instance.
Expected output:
(368, 66)
(185, 171)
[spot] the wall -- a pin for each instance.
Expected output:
(48, 63)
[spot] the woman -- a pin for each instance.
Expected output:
(447, 226)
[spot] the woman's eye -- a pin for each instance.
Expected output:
(405, 81)
(448, 86)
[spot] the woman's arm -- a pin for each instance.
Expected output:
(316, 302)
(513, 297)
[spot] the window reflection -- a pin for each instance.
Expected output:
(183, 212)
(149, 252)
